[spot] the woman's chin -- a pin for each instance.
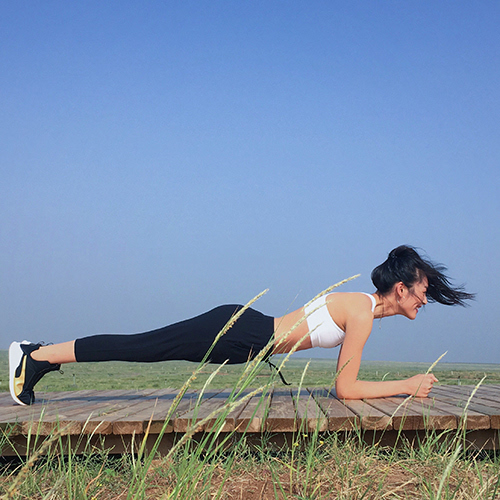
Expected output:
(412, 315)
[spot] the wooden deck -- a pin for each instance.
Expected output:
(121, 417)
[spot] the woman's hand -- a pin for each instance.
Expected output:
(420, 385)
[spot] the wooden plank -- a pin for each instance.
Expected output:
(460, 400)
(127, 412)
(252, 418)
(88, 409)
(231, 418)
(402, 416)
(471, 419)
(281, 416)
(413, 414)
(204, 410)
(187, 402)
(83, 406)
(71, 411)
(93, 415)
(492, 389)
(16, 412)
(42, 418)
(489, 399)
(5, 400)
(13, 409)
(464, 393)
(340, 418)
(310, 416)
(370, 417)
(432, 417)
(121, 413)
(223, 422)
(45, 398)
(197, 411)
(155, 410)
(446, 393)
(148, 410)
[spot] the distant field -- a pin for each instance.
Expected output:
(118, 375)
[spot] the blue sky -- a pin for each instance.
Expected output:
(161, 158)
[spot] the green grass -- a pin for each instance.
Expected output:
(219, 466)
(319, 469)
(315, 467)
(119, 375)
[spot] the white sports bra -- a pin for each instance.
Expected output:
(324, 332)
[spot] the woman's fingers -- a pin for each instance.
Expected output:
(424, 383)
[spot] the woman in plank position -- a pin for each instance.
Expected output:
(404, 283)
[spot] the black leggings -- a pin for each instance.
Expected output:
(187, 340)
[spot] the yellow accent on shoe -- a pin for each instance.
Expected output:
(19, 381)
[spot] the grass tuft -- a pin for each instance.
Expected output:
(223, 465)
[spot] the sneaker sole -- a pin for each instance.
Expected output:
(15, 356)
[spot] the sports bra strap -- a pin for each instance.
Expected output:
(374, 302)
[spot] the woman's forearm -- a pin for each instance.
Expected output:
(361, 389)
(418, 385)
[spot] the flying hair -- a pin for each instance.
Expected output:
(405, 265)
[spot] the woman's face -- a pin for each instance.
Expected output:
(414, 298)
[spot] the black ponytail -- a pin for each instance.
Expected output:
(406, 265)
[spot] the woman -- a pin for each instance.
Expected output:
(404, 283)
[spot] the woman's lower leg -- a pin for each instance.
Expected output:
(56, 353)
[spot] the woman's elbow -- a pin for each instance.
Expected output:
(344, 391)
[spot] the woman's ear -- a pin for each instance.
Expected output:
(400, 289)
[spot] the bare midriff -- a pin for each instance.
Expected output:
(288, 332)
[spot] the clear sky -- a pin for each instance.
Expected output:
(160, 158)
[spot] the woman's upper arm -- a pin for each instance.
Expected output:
(358, 329)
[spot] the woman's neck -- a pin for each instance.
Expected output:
(386, 306)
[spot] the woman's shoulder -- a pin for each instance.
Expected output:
(350, 295)
(353, 302)
(350, 309)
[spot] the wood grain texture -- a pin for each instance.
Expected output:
(281, 410)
